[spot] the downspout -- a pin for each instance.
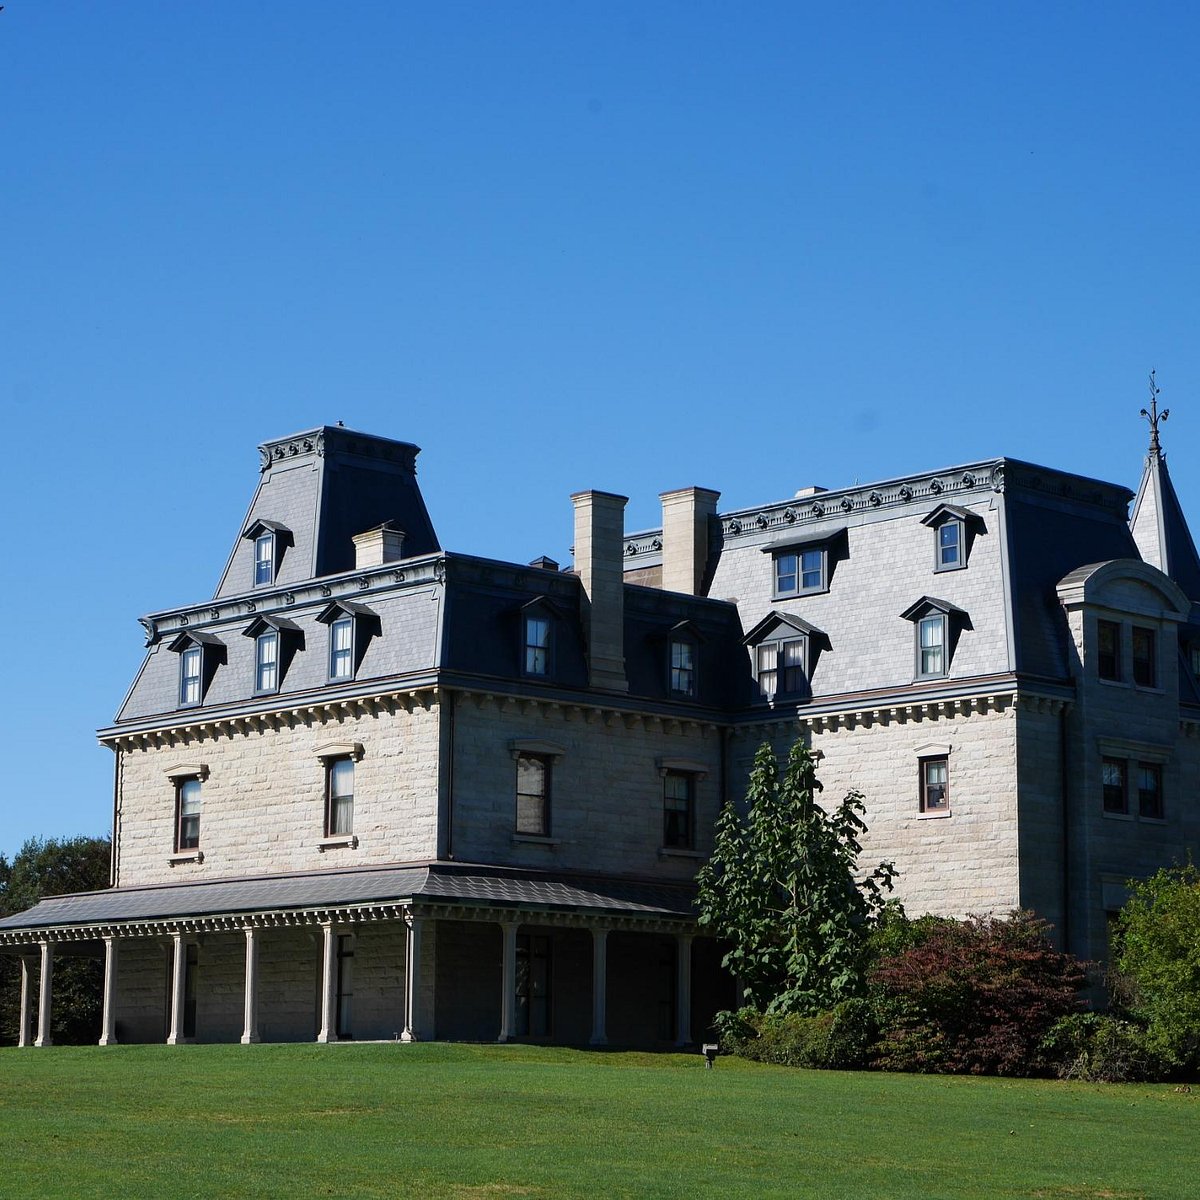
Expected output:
(112, 849)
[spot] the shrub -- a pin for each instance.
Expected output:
(839, 1038)
(975, 996)
(1100, 1048)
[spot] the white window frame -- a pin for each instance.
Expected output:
(342, 654)
(261, 664)
(264, 540)
(189, 680)
(932, 619)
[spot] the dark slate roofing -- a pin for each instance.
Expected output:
(438, 882)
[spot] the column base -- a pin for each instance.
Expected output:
(40, 1042)
(597, 1041)
(250, 1039)
(409, 1036)
(107, 1041)
(326, 1038)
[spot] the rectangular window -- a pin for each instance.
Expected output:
(678, 792)
(1108, 650)
(799, 571)
(266, 662)
(683, 669)
(537, 646)
(190, 662)
(1150, 796)
(935, 785)
(1144, 674)
(1116, 799)
(264, 559)
(533, 794)
(931, 645)
(339, 798)
(341, 648)
(1194, 658)
(533, 986)
(949, 545)
(791, 658)
(187, 805)
(788, 658)
(768, 669)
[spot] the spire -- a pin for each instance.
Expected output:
(1158, 525)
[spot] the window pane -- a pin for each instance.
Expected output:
(768, 655)
(930, 634)
(341, 657)
(537, 646)
(683, 668)
(189, 690)
(812, 572)
(188, 837)
(341, 778)
(266, 674)
(785, 573)
(1150, 802)
(1112, 772)
(532, 773)
(1108, 644)
(792, 654)
(264, 558)
(677, 809)
(935, 776)
(948, 541)
(1143, 657)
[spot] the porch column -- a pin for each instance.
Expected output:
(108, 1027)
(683, 989)
(45, 981)
(599, 987)
(328, 983)
(508, 982)
(250, 1023)
(24, 1030)
(178, 980)
(412, 979)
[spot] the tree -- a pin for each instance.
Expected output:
(49, 868)
(782, 887)
(1158, 954)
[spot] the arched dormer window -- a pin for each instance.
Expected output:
(270, 539)
(199, 656)
(351, 627)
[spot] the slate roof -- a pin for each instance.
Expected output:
(436, 882)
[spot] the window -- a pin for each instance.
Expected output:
(931, 645)
(1116, 799)
(1194, 658)
(678, 805)
(339, 796)
(949, 545)
(341, 648)
(537, 645)
(1150, 797)
(954, 529)
(190, 675)
(266, 662)
(264, 559)
(533, 794)
(1144, 674)
(935, 785)
(798, 571)
(1108, 650)
(683, 668)
(187, 814)
(781, 668)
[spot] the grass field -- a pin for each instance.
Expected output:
(388, 1121)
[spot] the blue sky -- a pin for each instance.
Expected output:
(626, 246)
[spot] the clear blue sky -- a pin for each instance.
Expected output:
(626, 246)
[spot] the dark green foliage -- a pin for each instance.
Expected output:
(1099, 1048)
(840, 1038)
(50, 868)
(975, 996)
(782, 889)
(1158, 955)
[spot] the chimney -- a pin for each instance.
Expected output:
(685, 537)
(383, 544)
(599, 563)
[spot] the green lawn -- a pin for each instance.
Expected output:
(388, 1120)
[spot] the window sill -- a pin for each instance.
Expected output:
(679, 852)
(1116, 816)
(1153, 820)
(535, 839)
(1150, 689)
(955, 567)
(798, 595)
(1113, 683)
(933, 816)
(338, 841)
(186, 856)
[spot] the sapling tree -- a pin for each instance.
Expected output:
(783, 889)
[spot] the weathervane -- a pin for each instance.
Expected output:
(1154, 416)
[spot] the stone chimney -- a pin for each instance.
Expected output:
(685, 537)
(599, 563)
(383, 544)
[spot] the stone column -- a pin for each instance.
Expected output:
(412, 980)
(24, 1030)
(178, 983)
(250, 1022)
(108, 1025)
(328, 983)
(508, 982)
(45, 983)
(683, 989)
(599, 987)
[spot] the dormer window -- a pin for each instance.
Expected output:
(799, 571)
(276, 640)
(953, 529)
(199, 656)
(937, 626)
(266, 662)
(683, 661)
(270, 540)
(931, 645)
(784, 650)
(537, 645)
(537, 628)
(351, 627)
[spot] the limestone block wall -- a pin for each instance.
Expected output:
(1040, 766)
(953, 865)
(143, 980)
(606, 789)
(263, 800)
(469, 980)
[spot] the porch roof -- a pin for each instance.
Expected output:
(442, 884)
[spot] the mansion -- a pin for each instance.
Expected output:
(374, 789)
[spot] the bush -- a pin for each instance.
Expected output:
(975, 996)
(1100, 1048)
(839, 1038)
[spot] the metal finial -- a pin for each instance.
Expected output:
(1154, 416)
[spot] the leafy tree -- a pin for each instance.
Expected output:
(48, 868)
(1158, 940)
(782, 887)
